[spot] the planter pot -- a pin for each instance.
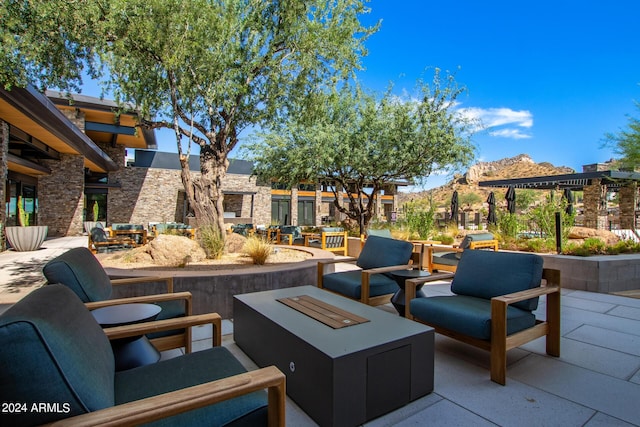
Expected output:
(23, 239)
(90, 225)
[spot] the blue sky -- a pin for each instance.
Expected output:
(548, 79)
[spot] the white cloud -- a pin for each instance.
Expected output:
(509, 133)
(502, 122)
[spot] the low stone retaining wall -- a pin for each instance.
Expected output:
(213, 290)
(603, 274)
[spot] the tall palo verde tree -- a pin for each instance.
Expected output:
(360, 142)
(205, 68)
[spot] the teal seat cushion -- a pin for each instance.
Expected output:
(467, 315)
(486, 274)
(188, 370)
(79, 269)
(446, 258)
(53, 351)
(383, 252)
(349, 283)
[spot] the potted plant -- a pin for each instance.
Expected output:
(25, 237)
(90, 225)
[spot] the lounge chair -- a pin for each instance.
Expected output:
(495, 294)
(79, 269)
(371, 284)
(446, 258)
(98, 239)
(332, 239)
(57, 366)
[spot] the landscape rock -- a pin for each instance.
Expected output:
(234, 243)
(169, 250)
(579, 234)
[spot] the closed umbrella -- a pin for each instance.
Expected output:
(568, 194)
(511, 200)
(454, 207)
(491, 218)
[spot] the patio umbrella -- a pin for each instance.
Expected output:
(454, 207)
(491, 218)
(568, 194)
(511, 200)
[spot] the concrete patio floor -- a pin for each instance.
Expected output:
(595, 382)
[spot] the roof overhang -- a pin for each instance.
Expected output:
(106, 121)
(33, 113)
(574, 181)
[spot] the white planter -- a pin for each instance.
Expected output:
(23, 239)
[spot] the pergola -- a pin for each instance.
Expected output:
(595, 185)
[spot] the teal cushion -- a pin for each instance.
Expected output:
(384, 252)
(467, 315)
(446, 258)
(475, 237)
(123, 226)
(53, 351)
(486, 274)
(188, 370)
(331, 229)
(383, 232)
(79, 269)
(349, 283)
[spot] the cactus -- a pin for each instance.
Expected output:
(23, 217)
(96, 211)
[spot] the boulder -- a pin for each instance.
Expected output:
(234, 243)
(583, 233)
(169, 250)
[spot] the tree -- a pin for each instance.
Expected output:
(206, 69)
(626, 144)
(360, 143)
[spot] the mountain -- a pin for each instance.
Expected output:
(520, 166)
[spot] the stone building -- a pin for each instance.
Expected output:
(67, 154)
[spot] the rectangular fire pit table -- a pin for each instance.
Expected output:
(340, 376)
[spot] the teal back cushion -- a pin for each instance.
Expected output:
(384, 252)
(331, 229)
(383, 232)
(53, 351)
(79, 269)
(486, 274)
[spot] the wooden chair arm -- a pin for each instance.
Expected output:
(525, 295)
(146, 279)
(136, 329)
(145, 299)
(165, 405)
(379, 270)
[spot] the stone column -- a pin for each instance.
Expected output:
(61, 196)
(627, 202)
(595, 205)
(294, 206)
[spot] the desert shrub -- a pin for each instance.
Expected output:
(446, 239)
(420, 218)
(591, 246)
(508, 225)
(540, 245)
(623, 247)
(211, 240)
(257, 249)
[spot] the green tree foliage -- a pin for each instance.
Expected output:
(626, 144)
(544, 216)
(361, 143)
(206, 69)
(420, 218)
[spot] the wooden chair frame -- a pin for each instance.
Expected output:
(500, 343)
(161, 343)
(323, 240)
(434, 265)
(365, 280)
(165, 405)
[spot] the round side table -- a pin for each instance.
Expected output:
(134, 351)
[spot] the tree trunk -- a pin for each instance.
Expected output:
(204, 193)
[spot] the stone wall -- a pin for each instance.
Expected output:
(627, 202)
(157, 195)
(61, 196)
